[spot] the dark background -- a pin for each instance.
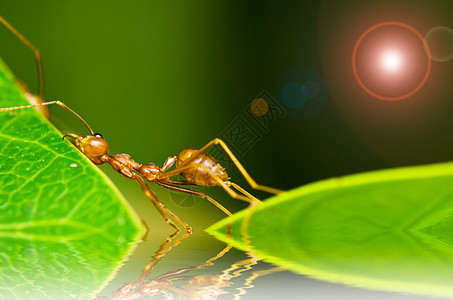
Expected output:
(157, 77)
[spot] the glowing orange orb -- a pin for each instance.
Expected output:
(389, 61)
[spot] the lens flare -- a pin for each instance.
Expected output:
(389, 61)
(440, 42)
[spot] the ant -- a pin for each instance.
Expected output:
(195, 166)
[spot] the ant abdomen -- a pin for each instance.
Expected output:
(203, 170)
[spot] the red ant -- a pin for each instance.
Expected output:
(195, 166)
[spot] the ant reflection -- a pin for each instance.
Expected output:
(180, 284)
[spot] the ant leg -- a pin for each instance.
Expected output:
(236, 186)
(59, 103)
(199, 194)
(76, 137)
(36, 53)
(236, 162)
(237, 268)
(225, 185)
(179, 182)
(168, 163)
(164, 248)
(157, 257)
(248, 284)
(243, 191)
(209, 262)
(160, 206)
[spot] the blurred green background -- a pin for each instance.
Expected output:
(155, 77)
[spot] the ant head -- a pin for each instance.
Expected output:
(92, 146)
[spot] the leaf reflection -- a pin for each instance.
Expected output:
(388, 230)
(33, 268)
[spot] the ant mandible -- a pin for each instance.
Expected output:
(195, 166)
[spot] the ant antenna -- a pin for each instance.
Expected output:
(35, 52)
(59, 103)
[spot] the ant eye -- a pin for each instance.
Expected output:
(98, 135)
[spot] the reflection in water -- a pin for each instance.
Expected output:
(181, 283)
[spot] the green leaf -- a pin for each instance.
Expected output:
(388, 230)
(64, 228)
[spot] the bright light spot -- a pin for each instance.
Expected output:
(391, 61)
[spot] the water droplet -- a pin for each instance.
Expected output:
(73, 165)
